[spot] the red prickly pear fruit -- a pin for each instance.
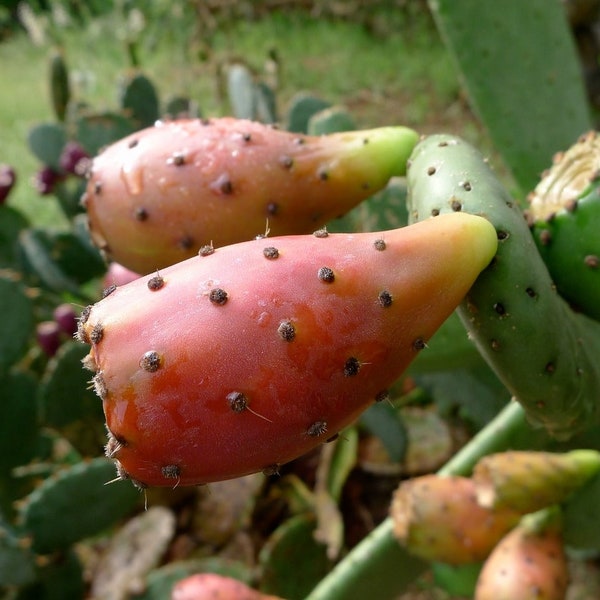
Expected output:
(8, 178)
(48, 337)
(66, 318)
(210, 586)
(157, 196)
(528, 481)
(45, 180)
(253, 354)
(74, 159)
(529, 563)
(117, 274)
(438, 518)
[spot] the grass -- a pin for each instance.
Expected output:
(402, 77)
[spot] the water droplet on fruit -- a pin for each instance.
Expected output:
(132, 175)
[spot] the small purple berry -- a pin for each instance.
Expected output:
(48, 337)
(74, 159)
(8, 178)
(65, 317)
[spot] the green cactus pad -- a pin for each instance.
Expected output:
(302, 107)
(17, 566)
(543, 352)
(67, 402)
(139, 100)
(60, 89)
(60, 260)
(12, 222)
(564, 214)
(16, 326)
(18, 419)
(330, 120)
(46, 141)
(94, 131)
(292, 561)
(76, 503)
(521, 71)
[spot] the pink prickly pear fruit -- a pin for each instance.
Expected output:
(210, 586)
(438, 518)
(528, 481)
(46, 180)
(117, 274)
(8, 177)
(248, 356)
(157, 196)
(529, 563)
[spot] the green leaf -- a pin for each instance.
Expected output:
(16, 325)
(302, 107)
(17, 565)
(76, 503)
(331, 120)
(522, 74)
(47, 141)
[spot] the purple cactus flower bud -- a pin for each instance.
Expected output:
(7, 181)
(65, 317)
(74, 159)
(45, 180)
(48, 337)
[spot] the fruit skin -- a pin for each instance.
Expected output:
(543, 352)
(529, 563)
(564, 216)
(157, 196)
(248, 357)
(210, 586)
(528, 481)
(438, 518)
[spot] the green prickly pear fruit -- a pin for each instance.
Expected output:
(156, 197)
(248, 356)
(211, 586)
(545, 354)
(439, 519)
(564, 215)
(529, 563)
(529, 481)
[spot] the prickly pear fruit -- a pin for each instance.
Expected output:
(564, 215)
(247, 356)
(157, 196)
(210, 586)
(545, 354)
(438, 518)
(529, 563)
(8, 177)
(529, 481)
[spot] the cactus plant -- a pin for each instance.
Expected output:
(563, 213)
(552, 372)
(296, 300)
(158, 196)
